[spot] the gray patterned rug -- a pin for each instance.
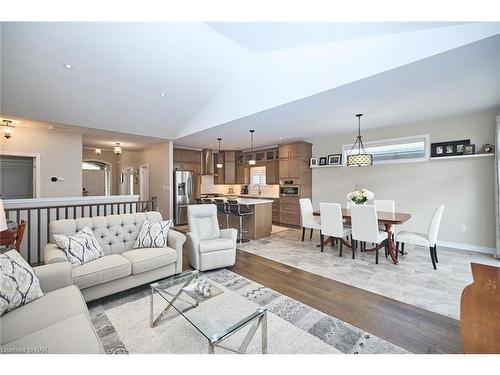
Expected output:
(122, 323)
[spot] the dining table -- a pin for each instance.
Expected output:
(388, 219)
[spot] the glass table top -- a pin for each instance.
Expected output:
(215, 316)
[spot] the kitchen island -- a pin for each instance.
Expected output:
(255, 226)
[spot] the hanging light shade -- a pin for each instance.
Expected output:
(219, 164)
(252, 160)
(117, 149)
(98, 151)
(359, 157)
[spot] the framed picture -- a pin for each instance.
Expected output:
(469, 149)
(313, 162)
(322, 160)
(443, 149)
(335, 159)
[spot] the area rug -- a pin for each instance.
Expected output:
(122, 323)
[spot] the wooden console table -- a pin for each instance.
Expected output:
(480, 311)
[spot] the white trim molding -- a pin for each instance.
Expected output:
(468, 247)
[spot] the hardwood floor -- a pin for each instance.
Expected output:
(415, 329)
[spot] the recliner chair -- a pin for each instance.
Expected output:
(209, 247)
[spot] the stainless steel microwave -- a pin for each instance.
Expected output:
(289, 190)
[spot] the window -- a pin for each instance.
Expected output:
(395, 150)
(258, 176)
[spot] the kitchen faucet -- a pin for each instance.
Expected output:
(258, 185)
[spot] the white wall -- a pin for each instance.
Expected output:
(464, 186)
(60, 156)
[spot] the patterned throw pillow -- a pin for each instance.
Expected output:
(153, 234)
(80, 248)
(18, 282)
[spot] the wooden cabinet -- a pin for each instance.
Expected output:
(295, 150)
(242, 174)
(219, 176)
(272, 172)
(291, 168)
(191, 156)
(229, 172)
(226, 174)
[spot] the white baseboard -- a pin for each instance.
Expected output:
(465, 246)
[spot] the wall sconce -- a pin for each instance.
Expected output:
(98, 151)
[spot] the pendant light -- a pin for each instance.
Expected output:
(252, 160)
(117, 149)
(219, 164)
(361, 158)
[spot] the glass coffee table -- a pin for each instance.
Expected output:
(216, 317)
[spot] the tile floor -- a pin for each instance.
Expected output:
(414, 281)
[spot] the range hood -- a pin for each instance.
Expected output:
(207, 162)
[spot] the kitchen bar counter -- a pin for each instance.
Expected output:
(257, 225)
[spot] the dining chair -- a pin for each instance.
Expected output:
(428, 239)
(307, 218)
(332, 224)
(364, 226)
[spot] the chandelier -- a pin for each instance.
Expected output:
(361, 158)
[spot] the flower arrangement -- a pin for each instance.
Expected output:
(360, 196)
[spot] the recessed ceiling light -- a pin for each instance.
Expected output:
(281, 138)
(52, 127)
(163, 94)
(210, 145)
(68, 66)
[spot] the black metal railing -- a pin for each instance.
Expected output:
(38, 218)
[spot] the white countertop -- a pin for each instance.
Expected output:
(251, 202)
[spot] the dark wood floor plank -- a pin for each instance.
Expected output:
(415, 329)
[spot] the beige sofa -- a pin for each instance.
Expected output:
(121, 267)
(58, 322)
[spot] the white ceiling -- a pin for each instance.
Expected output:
(268, 36)
(459, 81)
(294, 81)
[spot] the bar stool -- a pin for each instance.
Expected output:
(223, 208)
(198, 200)
(207, 201)
(238, 210)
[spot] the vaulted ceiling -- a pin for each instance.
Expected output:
(193, 82)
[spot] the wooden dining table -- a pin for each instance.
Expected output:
(388, 219)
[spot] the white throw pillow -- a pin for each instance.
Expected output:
(18, 282)
(80, 248)
(153, 234)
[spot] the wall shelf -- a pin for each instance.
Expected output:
(463, 156)
(325, 166)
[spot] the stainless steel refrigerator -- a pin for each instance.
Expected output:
(183, 195)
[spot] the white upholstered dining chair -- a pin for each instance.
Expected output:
(364, 226)
(428, 239)
(307, 218)
(332, 224)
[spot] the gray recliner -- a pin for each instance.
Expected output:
(208, 246)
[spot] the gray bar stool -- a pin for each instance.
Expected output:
(223, 208)
(240, 211)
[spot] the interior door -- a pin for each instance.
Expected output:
(16, 177)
